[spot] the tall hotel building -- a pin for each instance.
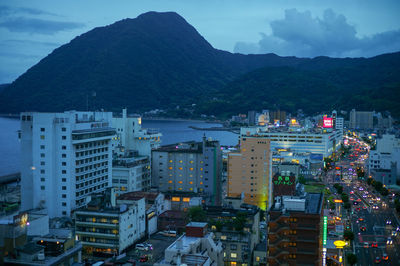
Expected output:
(65, 157)
(249, 171)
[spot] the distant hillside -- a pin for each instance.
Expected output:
(158, 60)
(365, 87)
(3, 86)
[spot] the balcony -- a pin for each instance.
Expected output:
(96, 224)
(100, 245)
(94, 234)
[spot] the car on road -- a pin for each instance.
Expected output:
(388, 222)
(363, 228)
(366, 245)
(377, 260)
(168, 233)
(385, 256)
(142, 247)
(375, 207)
(148, 245)
(374, 245)
(389, 241)
(144, 258)
(394, 233)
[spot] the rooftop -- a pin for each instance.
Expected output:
(189, 147)
(197, 224)
(262, 246)
(136, 195)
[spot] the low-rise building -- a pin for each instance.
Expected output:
(238, 230)
(110, 230)
(155, 205)
(63, 253)
(131, 172)
(196, 247)
(260, 254)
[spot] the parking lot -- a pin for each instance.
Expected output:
(159, 242)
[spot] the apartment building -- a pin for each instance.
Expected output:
(249, 171)
(189, 167)
(294, 230)
(65, 157)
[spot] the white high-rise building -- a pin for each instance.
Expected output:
(131, 135)
(65, 157)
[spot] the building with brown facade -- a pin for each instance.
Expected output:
(294, 230)
(249, 171)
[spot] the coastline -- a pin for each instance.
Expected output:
(181, 120)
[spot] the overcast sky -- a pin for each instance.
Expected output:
(30, 30)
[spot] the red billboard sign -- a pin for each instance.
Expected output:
(328, 122)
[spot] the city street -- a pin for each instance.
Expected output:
(373, 222)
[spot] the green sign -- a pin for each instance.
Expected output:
(325, 230)
(283, 181)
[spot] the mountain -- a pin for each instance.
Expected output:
(366, 85)
(158, 60)
(3, 86)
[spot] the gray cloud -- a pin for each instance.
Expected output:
(29, 42)
(7, 10)
(302, 35)
(40, 26)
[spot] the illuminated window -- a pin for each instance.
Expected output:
(180, 161)
(170, 181)
(201, 182)
(191, 161)
(41, 136)
(257, 258)
(213, 227)
(185, 199)
(191, 182)
(170, 168)
(191, 168)
(201, 169)
(233, 263)
(191, 189)
(201, 161)
(103, 220)
(223, 237)
(180, 188)
(180, 182)
(115, 231)
(233, 255)
(115, 221)
(170, 161)
(200, 189)
(176, 199)
(180, 168)
(93, 220)
(190, 175)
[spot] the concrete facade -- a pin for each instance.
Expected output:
(249, 171)
(65, 157)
